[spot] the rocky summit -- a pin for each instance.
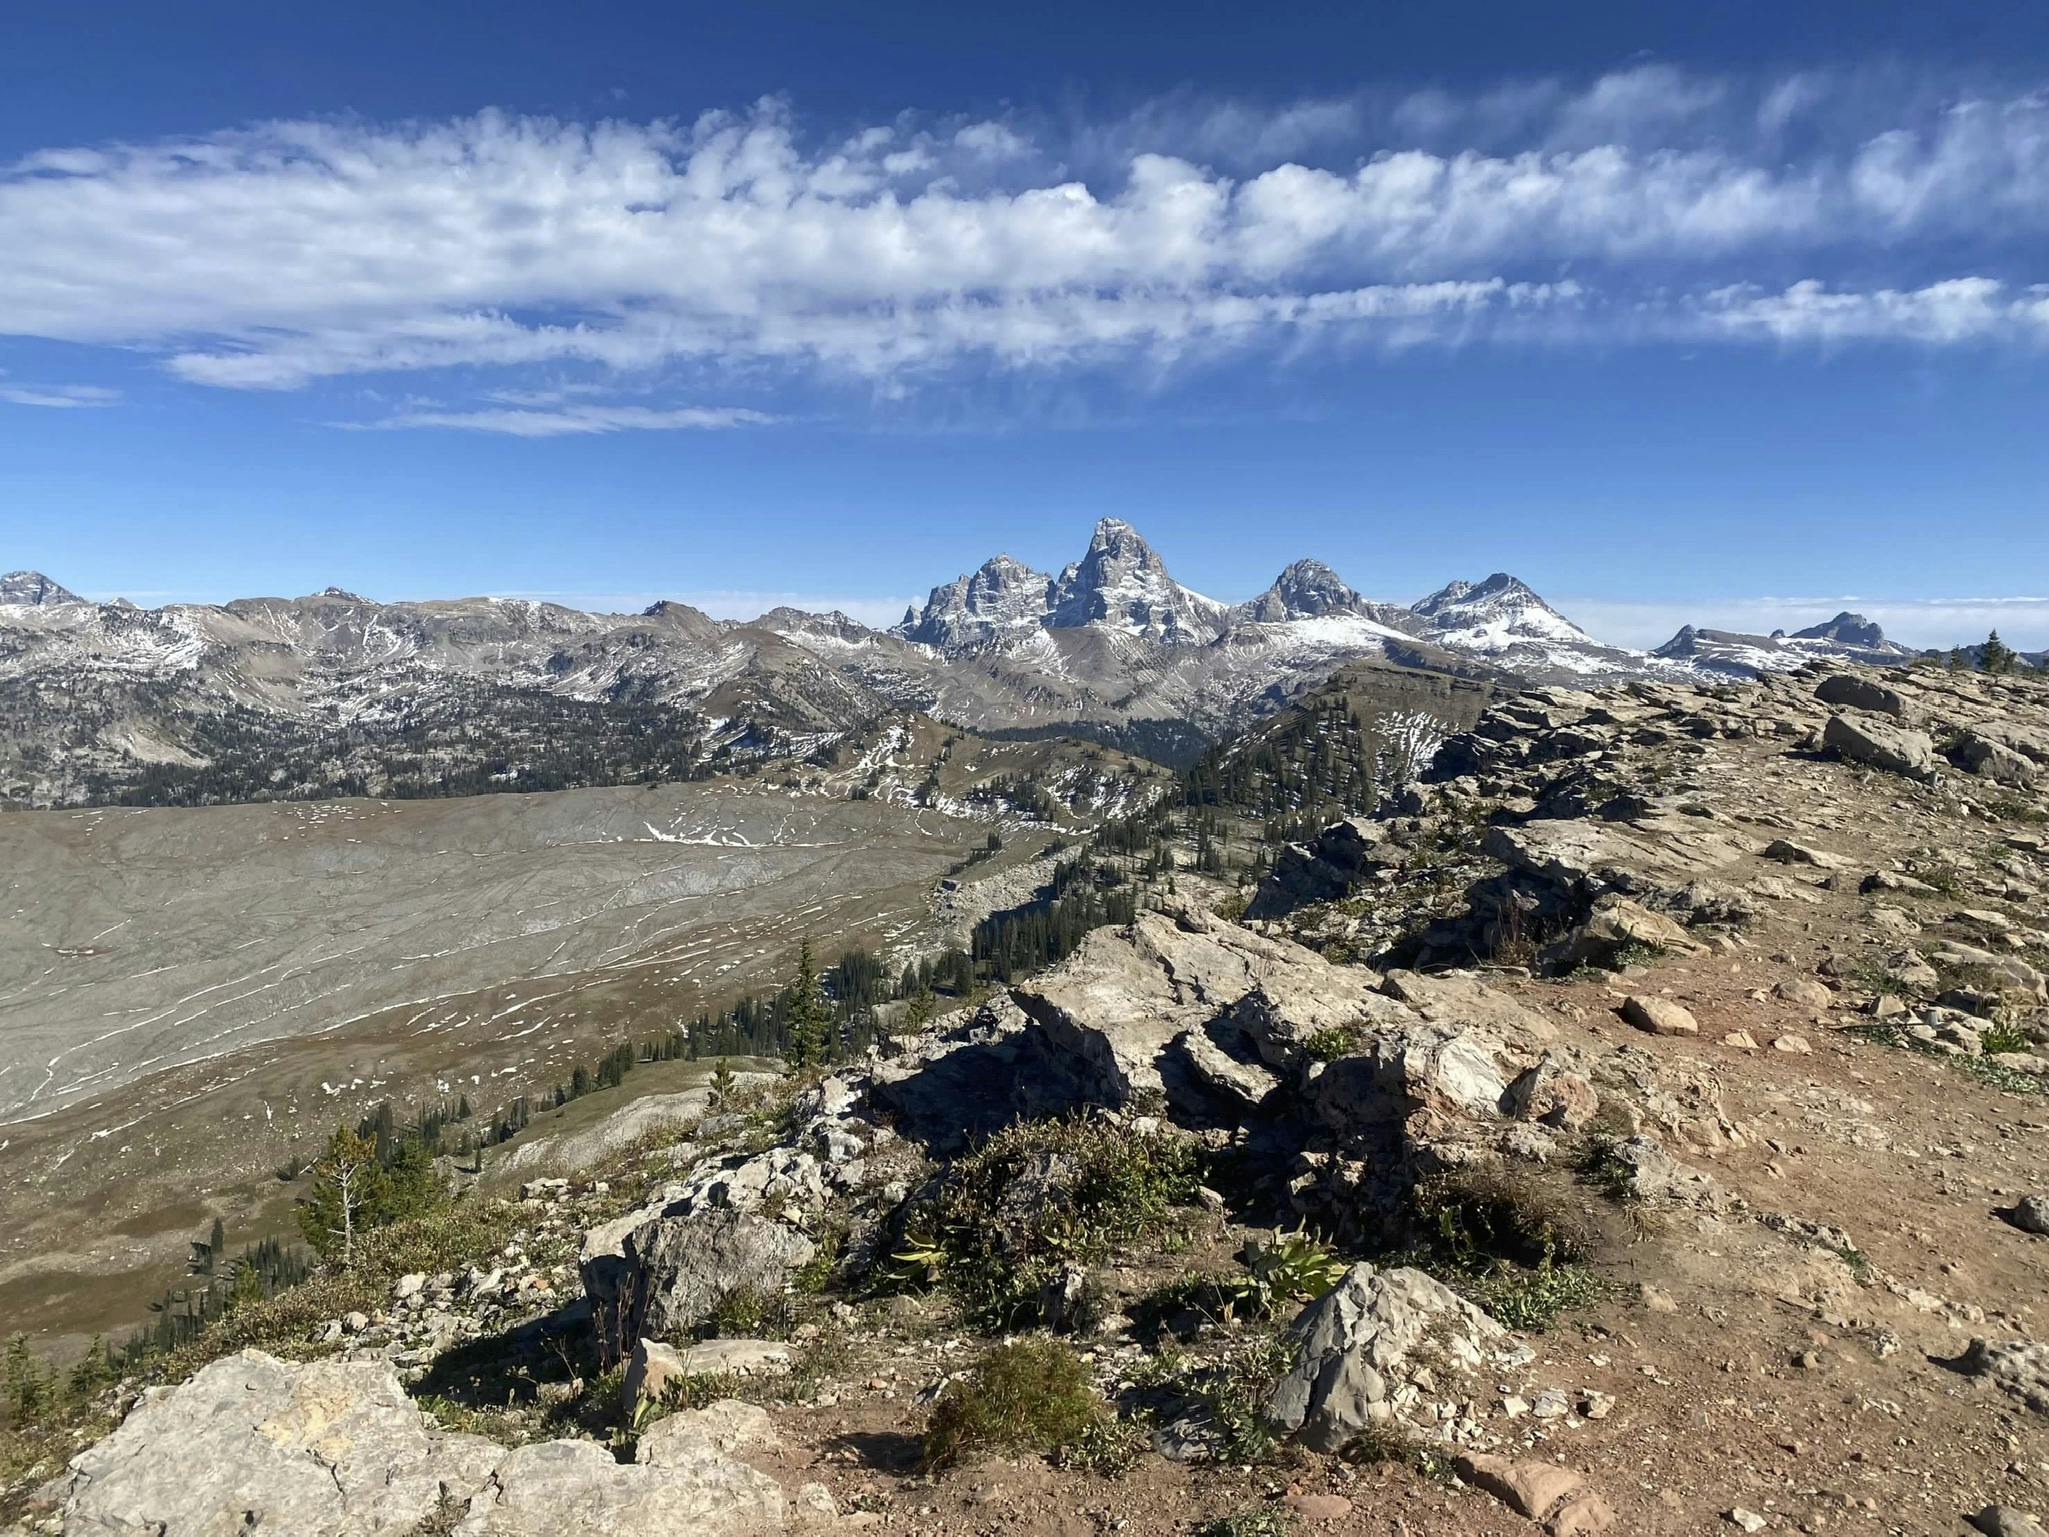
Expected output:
(1638, 1120)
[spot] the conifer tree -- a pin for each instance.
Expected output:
(1995, 656)
(723, 1085)
(410, 1185)
(347, 1185)
(804, 1017)
(24, 1381)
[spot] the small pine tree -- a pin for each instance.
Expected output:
(24, 1381)
(918, 1014)
(93, 1370)
(247, 1285)
(409, 1187)
(723, 1085)
(1995, 656)
(804, 1019)
(347, 1186)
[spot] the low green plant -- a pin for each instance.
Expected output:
(747, 1313)
(1293, 1267)
(1533, 1298)
(1039, 1196)
(1607, 1171)
(1106, 1446)
(1391, 1443)
(1251, 1521)
(2002, 1036)
(1988, 1070)
(1491, 1214)
(1333, 1042)
(1508, 1245)
(1637, 953)
(1027, 1395)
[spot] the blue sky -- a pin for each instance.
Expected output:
(1708, 313)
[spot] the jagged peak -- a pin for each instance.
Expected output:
(1305, 589)
(35, 589)
(1847, 629)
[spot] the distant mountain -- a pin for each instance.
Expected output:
(1123, 585)
(1503, 620)
(1001, 596)
(1847, 637)
(33, 588)
(1852, 630)
(1311, 590)
(96, 699)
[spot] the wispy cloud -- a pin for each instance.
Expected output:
(59, 397)
(564, 421)
(1649, 201)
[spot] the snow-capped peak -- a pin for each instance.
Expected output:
(1001, 595)
(1122, 583)
(1848, 629)
(1308, 589)
(1496, 614)
(35, 589)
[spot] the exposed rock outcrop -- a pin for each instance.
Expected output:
(336, 1449)
(1360, 1349)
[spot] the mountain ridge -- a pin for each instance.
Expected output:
(97, 697)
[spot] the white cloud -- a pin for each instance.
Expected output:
(1955, 310)
(532, 422)
(991, 141)
(1641, 203)
(60, 397)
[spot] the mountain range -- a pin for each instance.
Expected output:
(97, 696)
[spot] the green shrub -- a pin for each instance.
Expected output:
(1292, 1268)
(1027, 1395)
(1251, 1521)
(1333, 1042)
(1507, 1245)
(1996, 1039)
(1486, 1215)
(745, 1313)
(1530, 1299)
(1036, 1197)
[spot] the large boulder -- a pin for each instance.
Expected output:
(1848, 691)
(1429, 1075)
(1113, 1021)
(1359, 1347)
(255, 1443)
(1615, 926)
(1892, 748)
(2019, 1367)
(1979, 754)
(681, 1486)
(1656, 857)
(1320, 870)
(336, 1449)
(681, 1268)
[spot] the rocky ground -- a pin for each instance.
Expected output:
(1637, 1127)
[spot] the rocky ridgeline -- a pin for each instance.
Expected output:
(1571, 827)
(1378, 1033)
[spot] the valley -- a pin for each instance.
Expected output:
(192, 998)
